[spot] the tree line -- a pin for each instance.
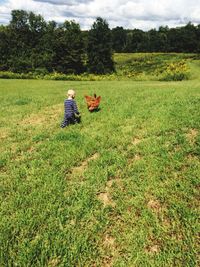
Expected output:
(31, 44)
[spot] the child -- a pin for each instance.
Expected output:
(72, 114)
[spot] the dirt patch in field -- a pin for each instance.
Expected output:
(109, 242)
(77, 171)
(166, 222)
(136, 157)
(107, 262)
(154, 205)
(114, 180)
(154, 246)
(34, 120)
(191, 135)
(152, 249)
(105, 197)
(136, 141)
(191, 158)
(31, 149)
(53, 262)
(3, 134)
(109, 245)
(54, 111)
(177, 236)
(44, 116)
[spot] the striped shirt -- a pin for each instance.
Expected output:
(70, 108)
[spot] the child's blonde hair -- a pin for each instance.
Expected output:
(71, 93)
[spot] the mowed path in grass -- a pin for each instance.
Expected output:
(120, 189)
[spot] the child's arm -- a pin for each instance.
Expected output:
(75, 108)
(65, 107)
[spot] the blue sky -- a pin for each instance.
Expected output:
(142, 14)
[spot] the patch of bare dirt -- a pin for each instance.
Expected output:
(3, 134)
(34, 120)
(166, 222)
(53, 262)
(192, 158)
(93, 157)
(177, 148)
(136, 141)
(177, 236)
(115, 180)
(154, 246)
(154, 205)
(77, 171)
(152, 249)
(105, 196)
(44, 116)
(54, 111)
(107, 262)
(109, 241)
(30, 149)
(134, 159)
(109, 245)
(191, 135)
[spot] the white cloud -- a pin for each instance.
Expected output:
(143, 14)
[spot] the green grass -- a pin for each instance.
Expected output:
(120, 189)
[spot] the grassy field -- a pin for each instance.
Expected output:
(120, 189)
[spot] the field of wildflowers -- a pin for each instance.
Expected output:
(135, 66)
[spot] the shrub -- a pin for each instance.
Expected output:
(177, 71)
(12, 75)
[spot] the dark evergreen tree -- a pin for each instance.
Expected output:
(99, 49)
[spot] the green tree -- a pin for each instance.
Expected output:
(4, 47)
(189, 38)
(198, 38)
(19, 59)
(99, 49)
(69, 48)
(163, 39)
(46, 48)
(137, 41)
(154, 40)
(37, 50)
(118, 39)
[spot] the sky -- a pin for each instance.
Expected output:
(130, 14)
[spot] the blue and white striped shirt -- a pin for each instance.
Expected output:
(70, 108)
